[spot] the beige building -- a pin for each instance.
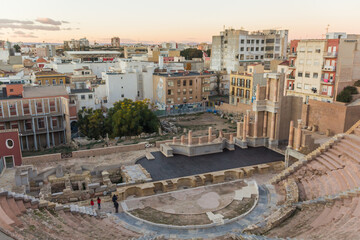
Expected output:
(319, 69)
(181, 88)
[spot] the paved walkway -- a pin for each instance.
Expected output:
(179, 166)
(267, 201)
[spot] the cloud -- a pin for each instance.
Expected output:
(48, 21)
(19, 32)
(11, 21)
(30, 27)
(26, 35)
(65, 22)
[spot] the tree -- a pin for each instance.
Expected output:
(17, 48)
(208, 52)
(125, 118)
(191, 53)
(218, 82)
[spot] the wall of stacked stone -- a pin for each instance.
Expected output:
(108, 150)
(41, 159)
(238, 109)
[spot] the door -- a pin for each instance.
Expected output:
(329, 91)
(9, 161)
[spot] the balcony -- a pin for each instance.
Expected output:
(330, 54)
(290, 77)
(291, 66)
(329, 68)
(327, 81)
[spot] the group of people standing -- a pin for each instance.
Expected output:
(114, 199)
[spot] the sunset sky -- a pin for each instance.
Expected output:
(166, 20)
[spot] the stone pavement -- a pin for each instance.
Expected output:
(267, 201)
(179, 166)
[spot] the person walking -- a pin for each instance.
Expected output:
(116, 205)
(99, 203)
(92, 204)
(114, 198)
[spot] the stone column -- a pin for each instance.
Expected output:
(291, 134)
(272, 126)
(210, 135)
(298, 137)
(267, 89)
(276, 91)
(247, 122)
(244, 130)
(257, 92)
(238, 132)
(182, 139)
(200, 140)
(265, 124)
(174, 140)
(256, 124)
(190, 137)
(221, 135)
(231, 138)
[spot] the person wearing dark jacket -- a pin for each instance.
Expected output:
(116, 205)
(114, 198)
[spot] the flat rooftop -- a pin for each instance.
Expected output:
(183, 74)
(162, 168)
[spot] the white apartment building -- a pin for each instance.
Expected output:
(234, 48)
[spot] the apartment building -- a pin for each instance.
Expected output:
(180, 88)
(81, 44)
(49, 77)
(41, 115)
(320, 68)
(115, 42)
(234, 48)
(243, 84)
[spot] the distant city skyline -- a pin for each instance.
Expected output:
(160, 21)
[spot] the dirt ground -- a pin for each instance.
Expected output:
(200, 123)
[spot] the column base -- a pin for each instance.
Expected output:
(273, 143)
(240, 143)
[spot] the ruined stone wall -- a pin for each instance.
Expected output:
(108, 150)
(239, 108)
(41, 159)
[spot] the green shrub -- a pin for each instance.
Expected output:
(344, 96)
(357, 83)
(351, 89)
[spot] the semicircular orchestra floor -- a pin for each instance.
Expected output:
(207, 211)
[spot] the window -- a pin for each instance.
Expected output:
(54, 81)
(309, 50)
(308, 62)
(248, 41)
(39, 107)
(247, 94)
(252, 48)
(54, 122)
(178, 91)
(262, 48)
(178, 83)
(90, 96)
(300, 74)
(105, 101)
(190, 91)
(242, 84)
(307, 75)
(301, 61)
(298, 85)
(315, 75)
(242, 93)
(28, 125)
(82, 97)
(169, 92)
(11, 90)
(46, 82)
(190, 82)
(262, 41)
(306, 86)
(242, 41)
(316, 63)
(41, 123)
(61, 82)
(122, 95)
(270, 40)
(170, 83)
(252, 41)
(257, 41)
(184, 82)
(247, 83)
(302, 49)
(317, 50)
(170, 100)
(257, 49)
(241, 49)
(184, 91)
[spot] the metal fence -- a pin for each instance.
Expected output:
(177, 110)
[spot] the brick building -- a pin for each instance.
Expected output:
(10, 151)
(180, 88)
(40, 114)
